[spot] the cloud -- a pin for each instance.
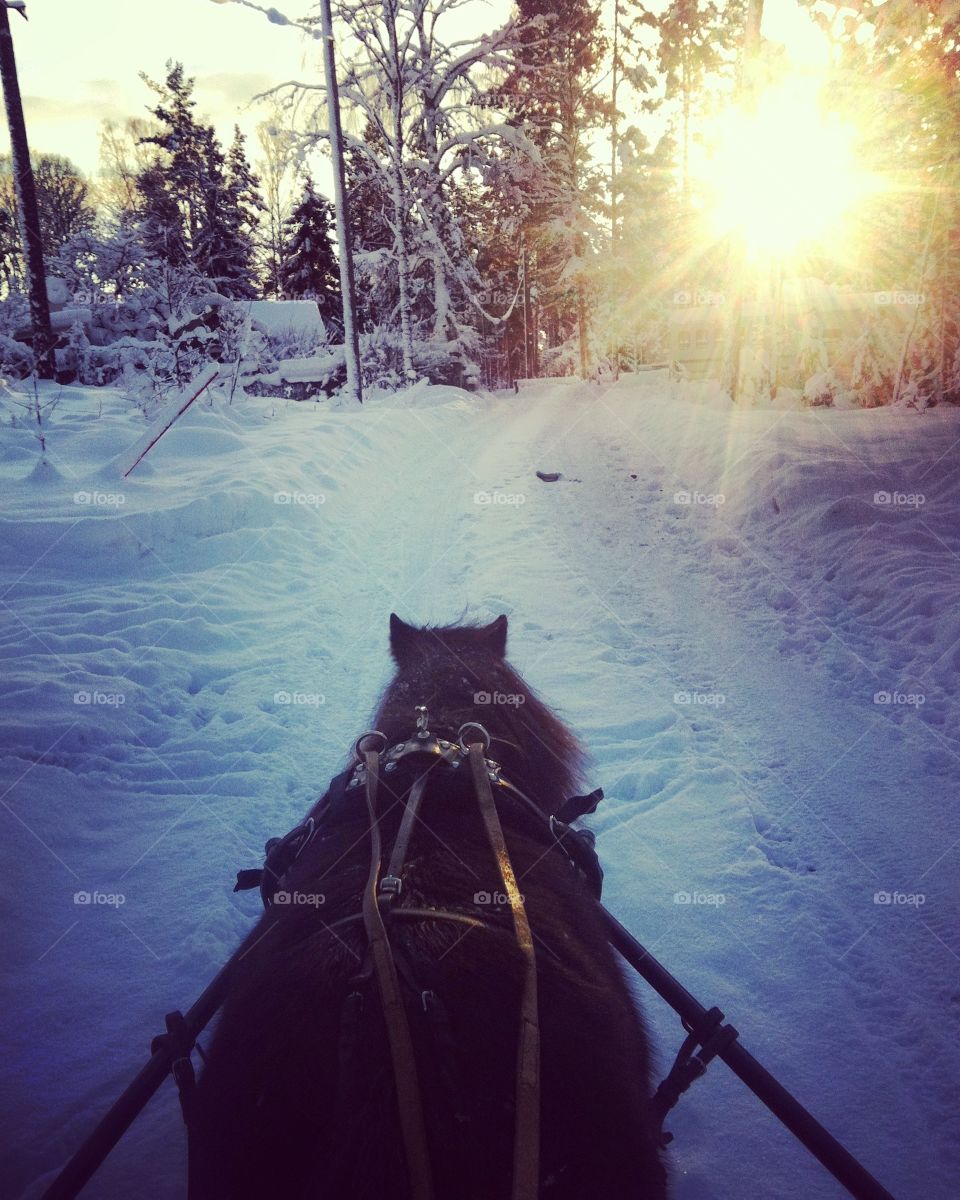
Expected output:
(56, 108)
(234, 88)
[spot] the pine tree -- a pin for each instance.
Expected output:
(161, 218)
(310, 267)
(185, 142)
(199, 208)
(225, 245)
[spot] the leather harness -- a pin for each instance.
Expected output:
(371, 764)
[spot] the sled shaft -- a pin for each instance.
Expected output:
(803, 1125)
(76, 1174)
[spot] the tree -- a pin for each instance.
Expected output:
(186, 145)
(697, 37)
(124, 156)
(309, 263)
(63, 203)
(224, 249)
(551, 91)
(277, 149)
(628, 65)
(416, 104)
(199, 207)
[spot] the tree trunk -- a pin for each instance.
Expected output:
(27, 214)
(351, 337)
(397, 190)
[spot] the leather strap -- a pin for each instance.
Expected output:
(406, 1081)
(526, 1140)
(411, 815)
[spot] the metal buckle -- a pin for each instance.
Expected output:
(359, 750)
(461, 734)
(390, 887)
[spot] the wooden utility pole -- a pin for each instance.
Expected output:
(351, 335)
(27, 215)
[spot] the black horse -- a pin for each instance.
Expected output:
(297, 1098)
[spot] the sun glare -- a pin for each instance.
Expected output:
(783, 176)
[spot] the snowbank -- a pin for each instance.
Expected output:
(738, 611)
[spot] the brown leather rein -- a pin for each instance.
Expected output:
(382, 890)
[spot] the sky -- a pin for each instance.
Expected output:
(79, 61)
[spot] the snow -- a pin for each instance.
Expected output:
(738, 610)
(286, 316)
(312, 369)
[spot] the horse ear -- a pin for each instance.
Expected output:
(495, 636)
(402, 636)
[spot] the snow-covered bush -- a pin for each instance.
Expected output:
(563, 359)
(826, 389)
(16, 359)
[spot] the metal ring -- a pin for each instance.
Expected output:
(473, 725)
(358, 750)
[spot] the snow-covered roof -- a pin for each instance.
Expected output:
(287, 316)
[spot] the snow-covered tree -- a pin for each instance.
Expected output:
(551, 90)
(198, 206)
(310, 267)
(274, 167)
(416, 118)
(224, 248)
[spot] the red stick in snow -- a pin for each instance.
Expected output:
(204, 379)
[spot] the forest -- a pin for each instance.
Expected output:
(564, 195)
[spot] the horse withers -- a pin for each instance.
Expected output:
(299, 1094)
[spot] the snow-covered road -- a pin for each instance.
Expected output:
(714, 601)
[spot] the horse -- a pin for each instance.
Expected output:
(298, 1093)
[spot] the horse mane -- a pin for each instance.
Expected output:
(460, 673)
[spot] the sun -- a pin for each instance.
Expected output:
(783, 176)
